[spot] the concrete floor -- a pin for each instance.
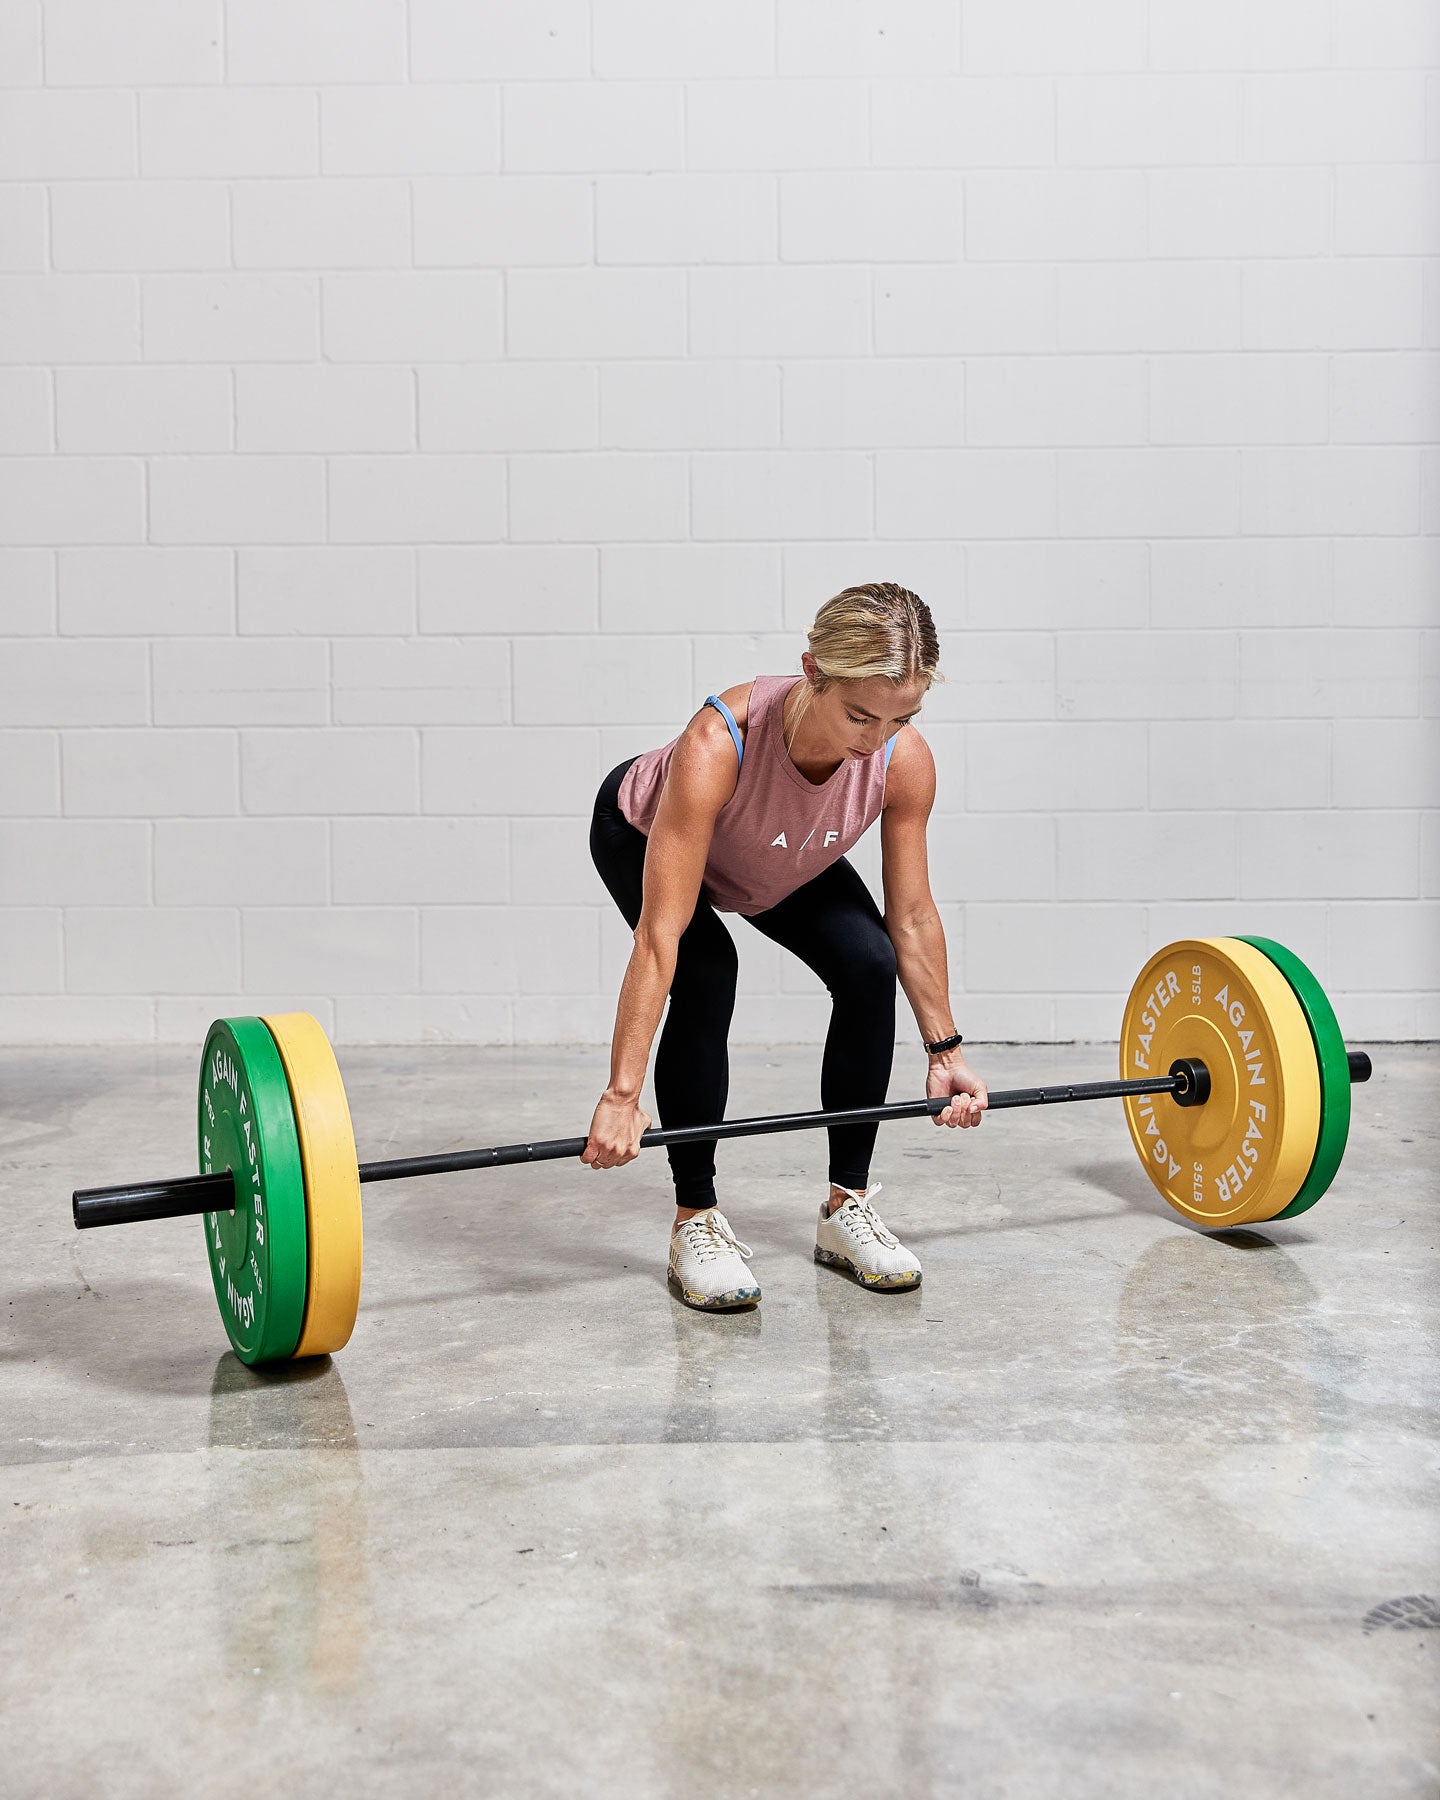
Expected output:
(1106, 1507)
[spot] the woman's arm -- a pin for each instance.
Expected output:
(700, 780)
(912, 920)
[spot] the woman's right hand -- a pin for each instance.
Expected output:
(615, 1133)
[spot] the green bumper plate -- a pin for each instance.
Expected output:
(257, 1253)
(1334, 1073)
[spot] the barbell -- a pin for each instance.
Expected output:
(1233, 1072)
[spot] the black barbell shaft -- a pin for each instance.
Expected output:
(188, 1194)
(400, 1168)
(1188, 1081)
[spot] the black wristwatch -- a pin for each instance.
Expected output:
(944, 1044)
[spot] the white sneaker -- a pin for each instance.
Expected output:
(853, 1238)
(705, 1264)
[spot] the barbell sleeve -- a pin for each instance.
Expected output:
(134, 1201)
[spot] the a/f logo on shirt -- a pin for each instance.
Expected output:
(780, 843)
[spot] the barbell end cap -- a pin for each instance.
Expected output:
(1360, 1065)
(1193, 1080)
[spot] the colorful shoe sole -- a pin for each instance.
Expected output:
(906, 1278)
(731, 1302)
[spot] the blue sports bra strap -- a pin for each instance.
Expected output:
(729, 718)
(889, 749)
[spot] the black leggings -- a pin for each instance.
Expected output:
(834, 926)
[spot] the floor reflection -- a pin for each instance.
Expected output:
(1221, 1345)
(288, 1531)
(1219, 1339)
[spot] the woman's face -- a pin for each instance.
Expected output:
(859, 716)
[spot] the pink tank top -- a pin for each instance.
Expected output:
(778, 830)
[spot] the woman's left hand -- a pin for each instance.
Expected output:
(970, 1094)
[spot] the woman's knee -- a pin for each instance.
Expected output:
(706, 973)
(870, 967)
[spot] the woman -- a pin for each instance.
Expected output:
(750, 810)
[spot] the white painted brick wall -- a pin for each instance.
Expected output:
(966, 493)
(297, 773)
(779, 313)
(325, 591)
(236, 499)
(32, 958)
(597, 499)
(125, 225)
(1133, 306)
(685, 218)
(503, 222)
(27, 580)
(396, 862)
(244, 132)
(156, 949)
(508, 771)
(133, 43)
(29, 774)
(404, 499)
(149, 774)
(503, 43)
(415, 317)
(508, 588)
(258, 681)
(52, 862)
(57, 134)
(419, 130)
(22, 228)
(324, 409)
(441, 681)
(507, 407)
(771, 125)
(229, 318)
(57, 681)
(1351, 301)
(336, 949)
(242, 862)
(518, 950)
(141, 410)
(956, 122)
(336, 222)
(315, 41)
(689, 406)
(686, 587)
(407, 411)
(854, 405)
(72, 500)
(21, 61)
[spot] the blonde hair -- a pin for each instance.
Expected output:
(877, 629)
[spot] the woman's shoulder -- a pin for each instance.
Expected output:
(708, 725)
(748, 697)
(910, 776)
(738, 699)
(705, 749)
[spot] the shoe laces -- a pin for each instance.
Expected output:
(709, 1235)
(862, 1222)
